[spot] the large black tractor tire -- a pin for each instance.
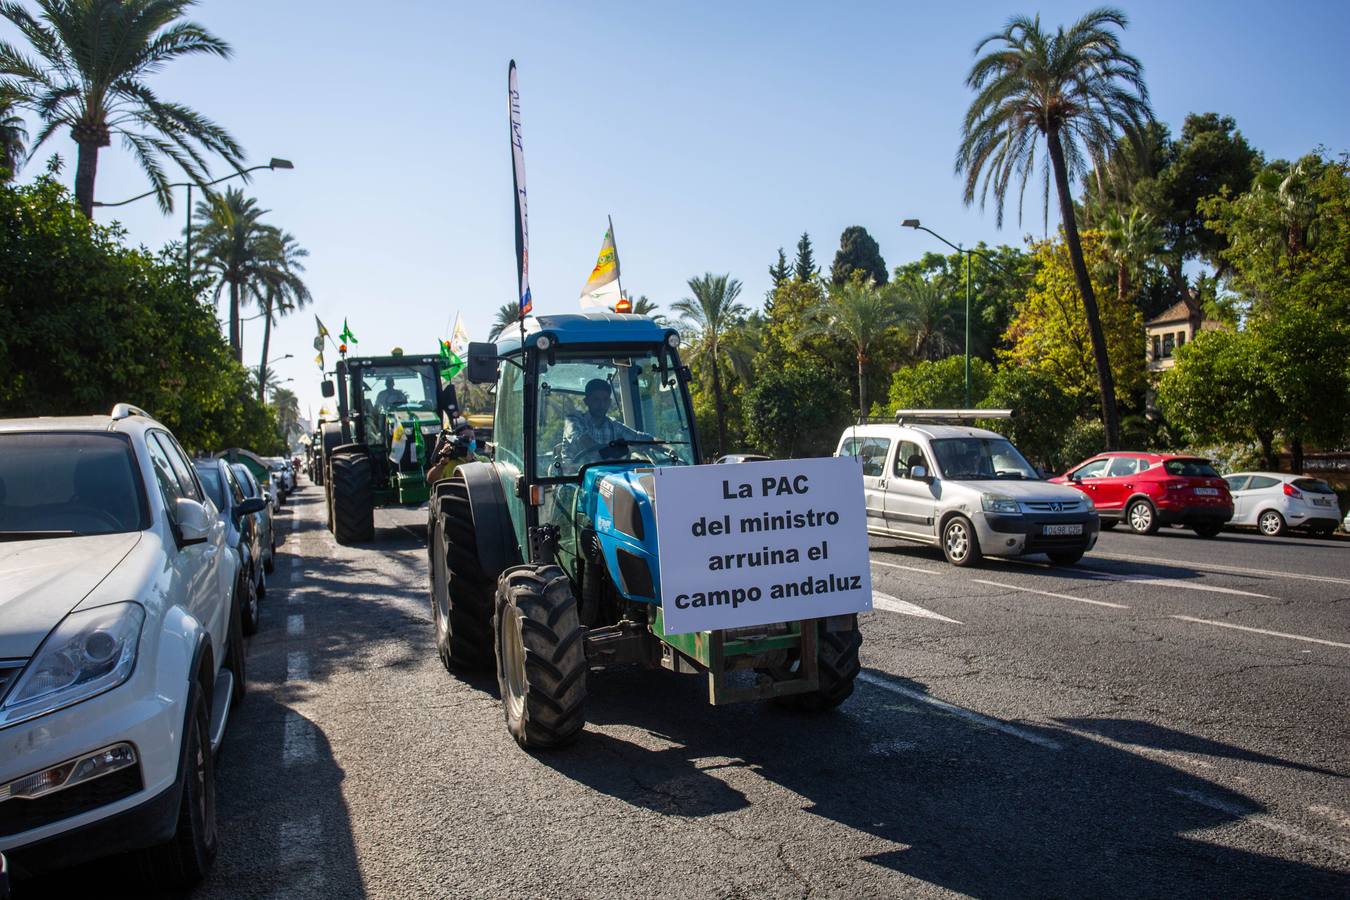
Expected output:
(353, 506)
(461, 592)
(541, 657)
(837, 659)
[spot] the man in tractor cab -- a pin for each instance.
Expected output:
(587, 435)
(390, 397)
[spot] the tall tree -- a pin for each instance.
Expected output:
(780, 271)
(708, 318)
(929, 314)
(232, 248)
(859, 313)
(805, 269)
(1076, 89)
(858, 252)
(1130, 242)
(280, 290)
(507, 316)
(286, 406)
(93, 57)
(13, 137)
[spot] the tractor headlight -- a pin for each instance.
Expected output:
(1001, 504)
(543, 342)
(673, 341)
(91, 651)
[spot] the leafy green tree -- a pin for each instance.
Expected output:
(1076, 89)
(930, 315)
(1130, 242)
(280, 290)
(286, 406)
(89, 76)
(858, 252)
(794, 412)
(858, 313)
(779, 272)
(13, 138)
(1000, 278)
(804, 269)
(708, 316)
(1040, 410)
(507, 316)
(938, 384)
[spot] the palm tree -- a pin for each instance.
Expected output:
(232, 248)
(1079, 91)
(1130, 242)
(507, 315)
(287, 407)
(280, 290)
(13, 136)
(642, 306)
(89, 76)
(707, 317)
(925, 307)
(860, 313)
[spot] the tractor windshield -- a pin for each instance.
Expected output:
(389, 388)
(595, 408)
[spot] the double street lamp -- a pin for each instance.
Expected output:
(967, 253)
(274, 164)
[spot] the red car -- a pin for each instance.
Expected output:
(1145, 490)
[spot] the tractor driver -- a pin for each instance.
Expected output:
(587, 435)
(390, 397)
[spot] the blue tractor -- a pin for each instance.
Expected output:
(543, 555)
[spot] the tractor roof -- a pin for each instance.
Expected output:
(587, 328)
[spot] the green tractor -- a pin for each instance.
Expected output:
(377, 453)
(543, 558)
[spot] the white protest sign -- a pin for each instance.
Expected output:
(756, 543)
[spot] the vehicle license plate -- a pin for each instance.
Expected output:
(1064, 529)
(1208, 492)
(1322, 501)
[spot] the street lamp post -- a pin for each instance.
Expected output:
(262, 369)
(274, 164)
(914, 223)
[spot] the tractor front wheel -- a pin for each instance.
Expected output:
(461, 592)
(541, 657)
(837, 662)
(353, 506)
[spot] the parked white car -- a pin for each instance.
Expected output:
(966, 490)
(120, 646)
(1276, 502)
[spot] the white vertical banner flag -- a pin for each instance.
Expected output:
(522, 204)
(459, 338)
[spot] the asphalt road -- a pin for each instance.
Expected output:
(1168, 718)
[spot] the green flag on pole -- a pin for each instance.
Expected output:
(451, 362)
(346, 336)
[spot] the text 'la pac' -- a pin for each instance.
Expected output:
(768, 487)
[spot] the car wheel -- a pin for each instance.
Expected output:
(1271, 523)
(1209, 529)
(270, 564)
(959, 543)
(182, 862)
(249, 615)
(1141, 517)
(1065, 557)
(1108, 524)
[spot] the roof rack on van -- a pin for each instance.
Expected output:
(126, 410)
(949, 415)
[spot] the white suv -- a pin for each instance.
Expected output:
(120, 646)
(966, 490)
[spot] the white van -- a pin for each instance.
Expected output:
(966, 490)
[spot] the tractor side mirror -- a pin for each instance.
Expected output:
(447, 400)
(328, 389)
(482, 363)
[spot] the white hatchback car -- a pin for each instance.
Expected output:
(1275, 502)
(120, 646)
(966, 490)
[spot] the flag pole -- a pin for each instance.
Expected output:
(618, 269)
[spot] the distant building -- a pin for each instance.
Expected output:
(1171, 329)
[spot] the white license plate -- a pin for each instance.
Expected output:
(1208, 492)
(1064, 529)
(1322, 501)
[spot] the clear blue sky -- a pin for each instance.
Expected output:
(714, 133)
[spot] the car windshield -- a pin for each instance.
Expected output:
(388, 388)
(1193, 468)
(979, 458)
(63, 484)
(606, 408)
(210, 476)
(1313, 486)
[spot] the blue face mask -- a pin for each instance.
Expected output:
(473, 444)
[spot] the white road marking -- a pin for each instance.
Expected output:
(1185, 585)
(905, 608)
(1013, 587)
(970, 715)
(298, 744)
(877, 562)
(295, 625)
(1292, 637)
(1228, 570)
(1265, 821)
(297, 666)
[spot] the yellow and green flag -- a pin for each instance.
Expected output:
(601, 290)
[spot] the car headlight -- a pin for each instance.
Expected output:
(91, 651)
(998, 503)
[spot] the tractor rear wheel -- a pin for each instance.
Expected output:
(837, 661)
(461, 592)
(541, 656)
(353, 507)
